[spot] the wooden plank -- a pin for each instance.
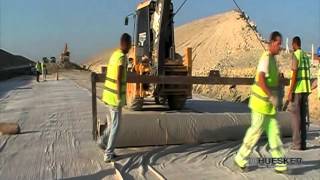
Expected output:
(209, 80)
(94, 105)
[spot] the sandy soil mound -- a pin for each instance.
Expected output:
(9, 60)
(95, 62)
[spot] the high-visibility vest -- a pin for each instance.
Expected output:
(38, 67)
(303, 84)
(110, 90)
(259, 100)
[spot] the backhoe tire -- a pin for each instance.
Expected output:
(176, 102)
(136, 104)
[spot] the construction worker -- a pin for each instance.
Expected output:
(44, 71)
(38, 70)
(114, 95)
(300, 88)
(263, 104)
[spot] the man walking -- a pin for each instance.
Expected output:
(114, 95)
(263, 104)
(300, 88)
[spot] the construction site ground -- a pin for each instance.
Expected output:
(56, 140)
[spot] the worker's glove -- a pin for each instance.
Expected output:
(274, 101)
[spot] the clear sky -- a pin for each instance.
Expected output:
(37, 28)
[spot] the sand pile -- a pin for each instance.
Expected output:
(95, 62)
(9, 60)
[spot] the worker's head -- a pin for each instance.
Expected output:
(125, 43)
(296, 43)
(275, 43)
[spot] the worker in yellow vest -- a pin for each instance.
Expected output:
(114, 96)
(263, 104)
(38, 70)
(300, 88)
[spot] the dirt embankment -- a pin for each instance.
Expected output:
(8, 60)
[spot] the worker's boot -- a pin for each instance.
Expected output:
(102, 142)
(240, 164)
(281, 168)
(107, 158)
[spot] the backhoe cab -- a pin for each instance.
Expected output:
(154, 54)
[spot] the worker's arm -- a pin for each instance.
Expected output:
(314, 84)
(119, 77)
(262, 83)
(120, 72)
(294, 68)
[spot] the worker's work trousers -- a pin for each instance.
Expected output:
(44, 78)
(38, 75)
(111, 132)
(259, 124)
(298, 108)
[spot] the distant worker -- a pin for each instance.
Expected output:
(114, 95)
(263, 104)
(300, 88)
(38, 70)
(44, 71)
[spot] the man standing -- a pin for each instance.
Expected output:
(114, 95)
(263, 104)
(300, 88)
(44, 71)
(38, 70)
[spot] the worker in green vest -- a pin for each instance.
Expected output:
(114, 96)
(300, 88)
(263, 104)
(38, 70)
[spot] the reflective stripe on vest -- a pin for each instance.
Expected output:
(266, 99)
(113, 91)
(259, 100)
(303, 84)
(110, 90)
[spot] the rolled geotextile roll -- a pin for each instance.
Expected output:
(9, 128)
(147, 129)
